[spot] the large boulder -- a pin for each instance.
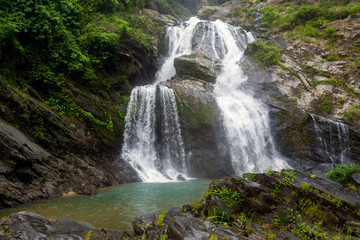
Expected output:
(201, 126)
(197, 65)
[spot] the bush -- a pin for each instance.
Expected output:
(325, 105)
(307, 13)
(265, 53)
(353, 114)
(269, 16)
(341, 173)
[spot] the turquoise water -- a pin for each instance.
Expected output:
(117, 207)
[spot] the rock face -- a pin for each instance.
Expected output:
(50, 162)
(190, 7)
(27, 225)
(201, 127)
(310, 138)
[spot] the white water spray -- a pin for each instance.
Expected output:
(246, 119)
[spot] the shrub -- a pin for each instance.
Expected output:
(226, 195)
(265, 53)
(342, 172)
(307, 13)
(325, 105)
(353, 114)
(269, 16)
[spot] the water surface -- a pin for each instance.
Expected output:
(117, 207)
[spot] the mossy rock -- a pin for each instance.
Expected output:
(191, 65)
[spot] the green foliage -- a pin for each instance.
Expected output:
(325, 105)
(304, 231)
(65, 105)
(160, 220)
(172, 7)
(342, 172)
(276, 191)
(220, 217)
(164, 237)
(250, 176)
(233, 199)
(90, 235)
(330, 34)
(289, 178)
(48, 42)
(269, 171)
(214, 237)
(315, 212)
(353, 114)
(217, 2)
(285, 217)
(265, 53)
(305, 188)
(268, 235)
(270, 15)
(309, 20)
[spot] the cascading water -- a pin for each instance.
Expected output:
(333, 138)
(151, 162)
(246, 120)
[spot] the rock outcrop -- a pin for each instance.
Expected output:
(201, 127)
(47, 156)
(180, 9)
(27, 225)
(197, 66)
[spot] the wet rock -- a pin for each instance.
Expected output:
(200, 116)
(27, 225)
(189, 7)
(167, 20)
(355, 179)
(140, 225)
(196, 66)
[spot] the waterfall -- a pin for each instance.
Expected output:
(333, 139)
(246, 119)
(158, 154)
(154, 160)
